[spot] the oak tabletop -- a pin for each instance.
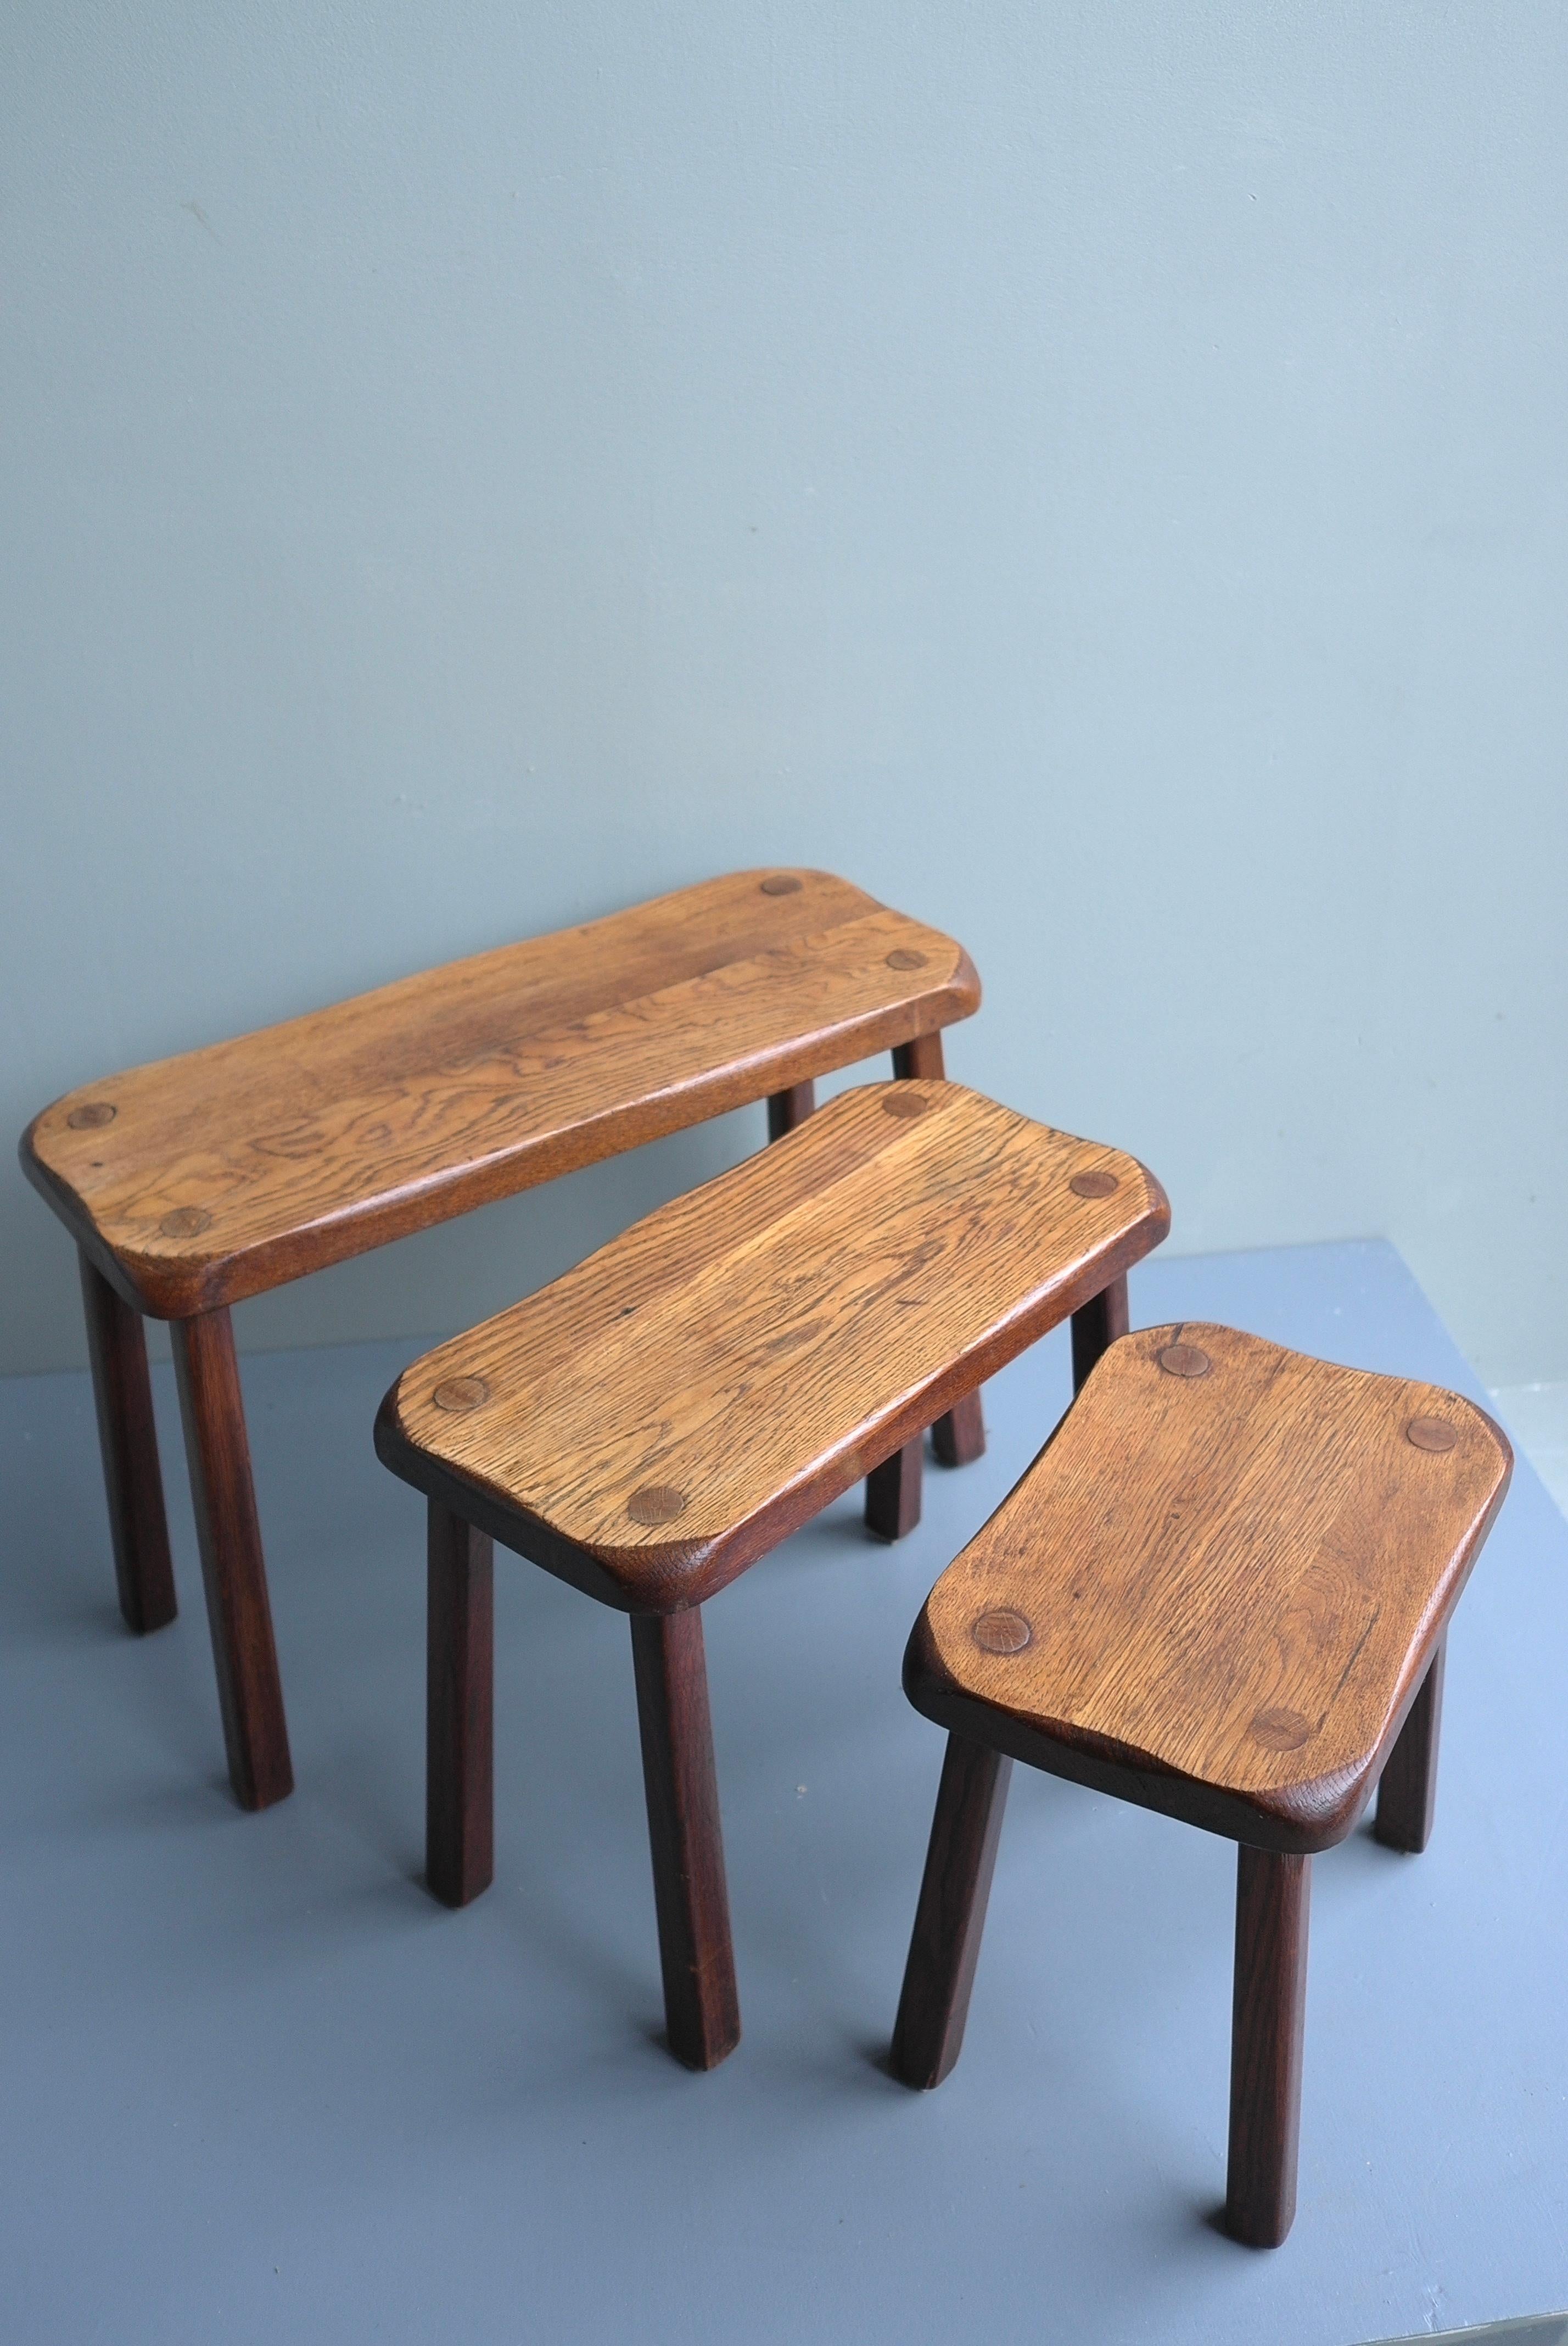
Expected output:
(663, 1415)
(197, 1180)
(1226, 1573)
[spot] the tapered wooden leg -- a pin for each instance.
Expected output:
(928, 2035)
(920, 1061)
(1272, 1894)
(702, 2008)
(229, 1536)
(128, 1438)
(1096, 1327)
(786, 1110)
(892, 1492)
(959, 1438)
(1407, 1797)
(460, 1677)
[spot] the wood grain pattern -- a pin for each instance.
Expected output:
(939, 1976)
(1268, 2013)
(668, 1411)
(893, 1488)
(249, 1693)
(1407, 1795)
(1233, 1568)
(460, 1680)
(958, 1437)
(702, 2004)
(127, 1441)
(196, 1181)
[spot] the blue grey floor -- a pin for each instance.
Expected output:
(257, 2086)
(1538, 1416)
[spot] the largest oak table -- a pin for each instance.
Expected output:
(194, 1182)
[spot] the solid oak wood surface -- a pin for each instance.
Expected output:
(196, 1181)
(1219, 1587)
(670, 1408)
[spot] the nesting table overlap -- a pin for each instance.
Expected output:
(1221, 1590)
(194, 1182)
(663, 1415)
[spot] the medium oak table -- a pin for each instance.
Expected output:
(661, 1417)
(194, 1182)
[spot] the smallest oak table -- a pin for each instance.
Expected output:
(1222, 1592)
(192, 1183)
(663, 1416)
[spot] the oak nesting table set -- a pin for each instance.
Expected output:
(1221, 1591)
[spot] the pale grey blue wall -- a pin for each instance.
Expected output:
(1093, 473)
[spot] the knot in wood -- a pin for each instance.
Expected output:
(184, 1222)
(458, 1393)
(656, 1502)
(1002, 1631)
(92, 1117)
(1280, 1731)
(1183, 1360)
(1432, 1433)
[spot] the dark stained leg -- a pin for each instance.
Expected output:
(786, 1110)
(460, 1677)
(920, 1061)
(1407, 1796)
(127, 1437)
(892, 1493)
(928, 2035)
(249, 1692)
(1272, 1894)
(959, 1438)
(702, 2009)
(1096, 1327)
